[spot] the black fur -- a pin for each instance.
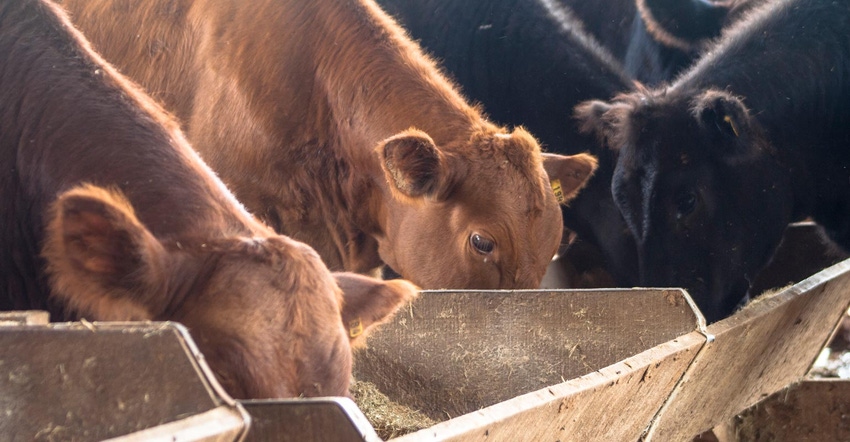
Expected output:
(754, 136)
(656, 39)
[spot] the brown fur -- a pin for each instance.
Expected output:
(295, 104)
(132, 225)
(361, 307)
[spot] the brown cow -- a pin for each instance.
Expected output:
(328, 122)
(135, 227)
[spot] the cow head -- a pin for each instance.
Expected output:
(265, 311)
(487, 219)
(700, 188)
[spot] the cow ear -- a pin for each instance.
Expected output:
(413, 165)
(568, 174)
(368, 302)
(101, 259)
(597, 118)
(683, 24)
(723, 116)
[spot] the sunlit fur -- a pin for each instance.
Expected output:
(110, 215)
(288, 100)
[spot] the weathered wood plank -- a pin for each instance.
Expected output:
(615, 403)
(757, 351)
(24, 317)
(221, 424)
(94, 381)
(459, 351)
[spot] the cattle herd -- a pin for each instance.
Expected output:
(248, 168)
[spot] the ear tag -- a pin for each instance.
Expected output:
(355, 328)
(728, 119)
(556, 188)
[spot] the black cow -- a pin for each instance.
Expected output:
(529, 64)
(656, 39)
(712, 168)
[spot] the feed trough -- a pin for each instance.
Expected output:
(549, 364)
(623, 364)
(491, 363)
(94, 381)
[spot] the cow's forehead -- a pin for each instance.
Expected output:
(669, 137)
(504, 166)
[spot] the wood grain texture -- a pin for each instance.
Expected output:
(94, 381)
(455, 352)
(756, 352)
(614, 403)
(221, 424)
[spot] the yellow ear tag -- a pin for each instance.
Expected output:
(728, 119)
(355, 328)
(556, 187)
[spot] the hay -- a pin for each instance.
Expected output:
(387, 417)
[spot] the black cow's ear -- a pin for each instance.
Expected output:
(608, 121)
(414, 166)
(723, 115)
(591, 116)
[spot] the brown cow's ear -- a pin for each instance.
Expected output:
(100, 257)
(568, 174)
(368, 302)
(413, 165)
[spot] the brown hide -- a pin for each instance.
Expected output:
(329, 123)
(134, 226)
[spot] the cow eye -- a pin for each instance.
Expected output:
(482, 244)
(685, 204)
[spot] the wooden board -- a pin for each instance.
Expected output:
(756, 352)
(590, 337)
(300, 420)
(614, 403)
(24, 317)
(496, 365)
(221, 424)
(94, 381)
(455, 352)
(811, 411)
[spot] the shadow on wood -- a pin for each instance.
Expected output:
(810, 411)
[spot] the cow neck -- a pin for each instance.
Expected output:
(196, 266)
(344, 75)
(343, 78)
(784, 91)
(797, 94)
(378, 83)
(88, 124)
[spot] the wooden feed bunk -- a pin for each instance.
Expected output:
(583, 365)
